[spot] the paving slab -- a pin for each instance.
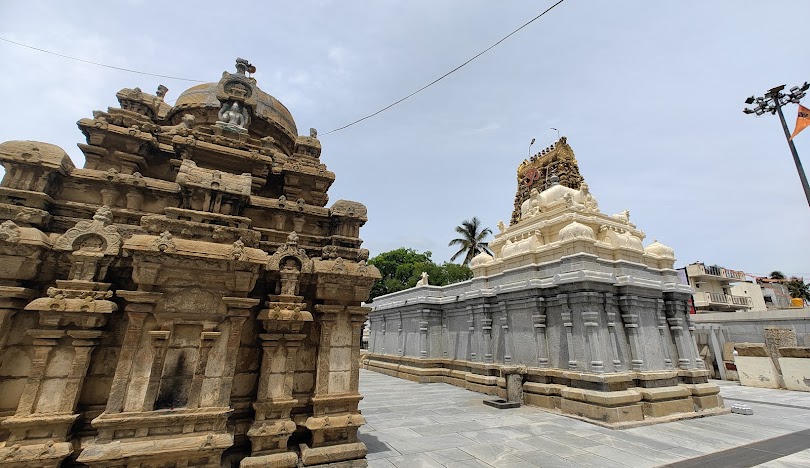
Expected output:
(433, 424)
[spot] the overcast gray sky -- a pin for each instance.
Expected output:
(649, 94)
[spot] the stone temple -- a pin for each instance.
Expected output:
(572, 313)
(185, 299)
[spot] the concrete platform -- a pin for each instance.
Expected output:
(439, 425)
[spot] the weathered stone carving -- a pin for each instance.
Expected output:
(156, 307)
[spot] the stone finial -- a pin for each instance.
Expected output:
(104, 214)
(243, 66)
(292, 238)
(161, 91)
(313, 132)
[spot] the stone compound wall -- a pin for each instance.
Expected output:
(612, 354)
(186, 298)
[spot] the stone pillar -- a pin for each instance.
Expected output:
(207, 339)
(140, 304)
(682, 344)
(160, 344)
(335, 418)
(568, 324)
(507, 344)
(610, 314)
(539, 323)
(486, 330)
(236, 318)
(283, 323)
(70, 317)
(424, 343)
(628, 304)
(472, 337)
(662, 332)
(400, 338)
(382, 349)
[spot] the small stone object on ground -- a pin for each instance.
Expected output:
(741, 409)
(500, 403)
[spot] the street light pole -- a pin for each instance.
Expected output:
(772, 102)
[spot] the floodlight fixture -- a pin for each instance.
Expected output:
(772, 103)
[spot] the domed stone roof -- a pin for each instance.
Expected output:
(268, 116)
(576, 230)
(481, 259)
(660, 250)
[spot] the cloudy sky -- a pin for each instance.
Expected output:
(649, 94)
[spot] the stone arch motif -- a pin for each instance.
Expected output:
(97, 234)
(290, 250)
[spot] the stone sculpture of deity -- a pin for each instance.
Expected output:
(289, 277)
(233, 114)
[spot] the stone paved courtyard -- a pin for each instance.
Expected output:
(439, 425)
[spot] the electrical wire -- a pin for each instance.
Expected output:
(99, 64)
(446, 74)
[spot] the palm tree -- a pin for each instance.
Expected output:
(471, 240)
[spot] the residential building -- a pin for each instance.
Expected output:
(718, 289)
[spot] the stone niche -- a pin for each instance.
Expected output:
(185, 299)
(594, 324)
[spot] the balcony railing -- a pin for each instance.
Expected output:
(719, 299)
(714, 270)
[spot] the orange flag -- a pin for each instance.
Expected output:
(802, 121)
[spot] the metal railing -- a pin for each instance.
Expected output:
(727, 299)
(715, 270)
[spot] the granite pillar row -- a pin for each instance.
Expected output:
(628, 304)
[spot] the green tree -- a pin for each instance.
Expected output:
(401, 269)
(471, 242)
(798, 288)
(777, 275)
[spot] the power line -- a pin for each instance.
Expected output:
(99, 64)
(448, 73)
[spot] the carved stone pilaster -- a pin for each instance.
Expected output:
(628, 304)
(568, 324)
(662, 332)
(610, 315)
(539, 325)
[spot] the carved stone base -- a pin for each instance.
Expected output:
(276, 460)
(618, 400)
(326, 456)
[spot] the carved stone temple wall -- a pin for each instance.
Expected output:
(572, 314)
(186, 298)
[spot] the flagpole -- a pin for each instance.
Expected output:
(795, 154)
(772, 103)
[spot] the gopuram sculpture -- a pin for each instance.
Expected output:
(185, 299)
(572, 314)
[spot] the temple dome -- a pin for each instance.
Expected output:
(268, 116)
(576, 230)
(660, 250)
